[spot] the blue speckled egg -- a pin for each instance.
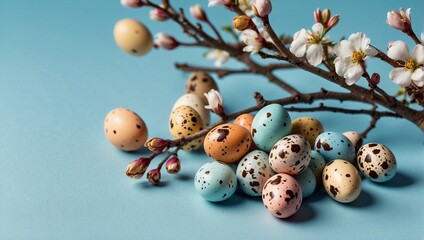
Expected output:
(215, 181)
(270, 124)
(317, 164)
(253, 171)
(333, 145)
(307, 182)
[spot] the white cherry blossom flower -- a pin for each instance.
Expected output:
(219, 2)
(413, 64)
(220, 56)
(309, 43)
(254, 42)
(261, 8)
(350, 55)
(215, 102)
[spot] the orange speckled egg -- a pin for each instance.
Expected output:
(183, 122)
(125, 129)
(308, 127)
(227, 143)
(245, 120)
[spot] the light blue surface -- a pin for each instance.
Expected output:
(61, 73)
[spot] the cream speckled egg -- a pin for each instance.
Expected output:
(192, 100)
(200, 83)
(308, 127)
(133, 37)
(125, 129)
(341, 181)
(183, 122)
(282, 195)
(355, 138)
(290, 154)
(227, 143)
(377, 162)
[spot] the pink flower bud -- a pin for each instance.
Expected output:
(333, 21)
(400, 20)
(375, 78)
(137, 168)
(157, 145)
(154, 176)
(317, 15)
(165, 41)
(325, 16)
(158, 14)
(197, 12)
(261, 8)
(173, 165)
(132, 3)
(215, 102)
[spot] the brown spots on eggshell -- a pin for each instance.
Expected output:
(376, 162)
(308, 127)
(183, 122)
(199, 83)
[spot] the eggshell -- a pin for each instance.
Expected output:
(333, 145)
(308, 127)
(244, 120)
(125, 129)
(183, 122)
(282, 195)
(355, 138)
(307, 182)
(269, 125)
(227, 143)
(215, 181)
(253, 171)
(133, 37)
(377, 162)
(200, 83)
(290, 155)
(317, 164)
(192, 100)
(341, 181)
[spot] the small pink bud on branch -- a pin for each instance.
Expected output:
(158, 14)
(375, 79)
(165, 41)
(157, 145)
(198, 13)
(173, 165)
(242, 22)
(261, 8)
(137, 168)
(400, 20)
(132, 3)
(154, 176)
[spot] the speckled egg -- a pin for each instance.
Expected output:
(200, 83)
(183, 122)
(269, 125)
(377, 162)
(317, 164)
(308, 127)
(227, 143)
(291, 155)
(282, 195)
(193, 101)
(253, 171)
(244, 120)
(133, 37)
(341, 181)
(307, 182)
(355, 138)
(333, 145)
(215, 181)
(125, 129)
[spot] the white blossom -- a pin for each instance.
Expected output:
(219, 2)
(254, 42)
(219, 56)
(215, 102)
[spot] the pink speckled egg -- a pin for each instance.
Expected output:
(282, 195)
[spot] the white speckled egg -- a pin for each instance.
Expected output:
(192, 100)
(183, 122)
(282, 195)
(133, 37)
(377, 162)
(307, 182)
(341, 181)
(333, 145)
(215, 181)
(308, 127)
(317, 164)
(253, 171)
(200, 83)
(290, 154)
(355, 138)
(269, 125)
(125, 129)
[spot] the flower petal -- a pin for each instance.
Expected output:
(343, 49)
(342, 65)
(318, 28)
(370, 51)
(353, 74)
(356, 40)
(418, 75)
(314, 54)
(398, 50)
(418, 53)
(400, 76)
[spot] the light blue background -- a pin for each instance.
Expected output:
(61, 73)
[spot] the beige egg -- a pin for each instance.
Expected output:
(133, 37)
(125, 129)
(192, 100)
(355, 138)
(308, 127)
(183, 122)
(200, 83)
(341, 181)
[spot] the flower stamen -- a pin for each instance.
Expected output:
(411, 65)
(358, 56)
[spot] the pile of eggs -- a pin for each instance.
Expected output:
(284, 161)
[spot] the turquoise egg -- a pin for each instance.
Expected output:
(307, 182)
(333, 145)
(317, 164)
(215, 181)
(269, 125)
